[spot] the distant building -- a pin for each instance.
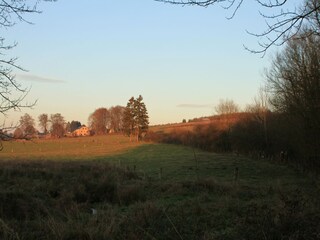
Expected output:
(81, 132)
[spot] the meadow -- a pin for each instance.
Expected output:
(66, 148)
(110, 188)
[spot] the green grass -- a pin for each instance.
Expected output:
(180, 163)
(49, 194)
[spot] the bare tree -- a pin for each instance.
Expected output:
(27, 124)
(227, 106)
(293, 80)
(260, 103)
(12, 94)
(260, 109)
(57, 125)
(116, 118)
(18, 133)
(43, 122)
(99, 121)
(281, 25)
(57, 118)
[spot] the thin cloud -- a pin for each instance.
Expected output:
(187, 105)
(36, 78)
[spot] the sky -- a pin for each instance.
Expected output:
(82, 55)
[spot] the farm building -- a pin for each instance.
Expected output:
(83, 131)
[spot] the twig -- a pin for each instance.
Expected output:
(174, 227)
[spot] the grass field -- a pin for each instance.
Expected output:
(67, 148)
(149, 191)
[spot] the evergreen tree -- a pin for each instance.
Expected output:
(128, 118)
(142, 118)
(74, 125)
(136, 118)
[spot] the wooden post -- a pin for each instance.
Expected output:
(197, 163)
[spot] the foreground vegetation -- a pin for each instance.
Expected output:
(155, 191)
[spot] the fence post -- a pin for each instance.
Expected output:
(197, 163)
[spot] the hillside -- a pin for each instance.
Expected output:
(222, 121)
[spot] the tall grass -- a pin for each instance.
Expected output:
(104, 198)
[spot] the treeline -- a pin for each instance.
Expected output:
(131, 120)
(107, 120)
(282, 124)
(281, 141)
(101, 121)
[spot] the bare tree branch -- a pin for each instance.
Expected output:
(281, 26)
(12, 94)
(190, 2)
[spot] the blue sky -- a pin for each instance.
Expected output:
(81, 55)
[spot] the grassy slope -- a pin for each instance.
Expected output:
(52, 199)
(220, 121)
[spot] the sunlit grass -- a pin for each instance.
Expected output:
(67, 148)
